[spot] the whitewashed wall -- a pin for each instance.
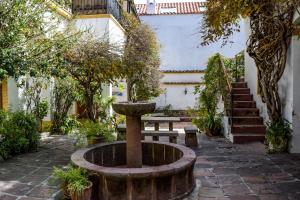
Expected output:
(180, 41)
(174, 94)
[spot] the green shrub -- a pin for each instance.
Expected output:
(278, 136)
(210, 124)
(94, 129)
(19, 133)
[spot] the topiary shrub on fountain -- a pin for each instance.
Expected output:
(278, 136)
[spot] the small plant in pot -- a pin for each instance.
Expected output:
(75, 183)
(278, 136)
(96, 132)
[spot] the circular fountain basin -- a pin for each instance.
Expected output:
(134, 108)
(167, 171)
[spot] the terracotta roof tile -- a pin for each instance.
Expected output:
(182, 8)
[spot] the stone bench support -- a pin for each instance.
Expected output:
(191, 139)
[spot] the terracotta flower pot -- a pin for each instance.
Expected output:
(85, 194)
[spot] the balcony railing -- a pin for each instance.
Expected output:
(88, 7)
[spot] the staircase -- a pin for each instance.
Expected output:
(247, 126)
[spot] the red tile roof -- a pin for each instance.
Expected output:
(182, 8)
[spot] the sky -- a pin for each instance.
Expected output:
(167, 1)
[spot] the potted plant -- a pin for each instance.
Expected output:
(278, 136)
(96, 132)
(75, 183)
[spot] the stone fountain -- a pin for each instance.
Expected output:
(135, 169)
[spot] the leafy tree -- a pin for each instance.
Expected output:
(93, 63)
(29, 38)
(64, 94)
(271, 28)
(141, 60)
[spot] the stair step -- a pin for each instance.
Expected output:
(247, 120)
(242, 97)
(248, 138)
(248, 129)
(241, 91)
(239, 85)
(244, 104)
(241, 80)
(245, 112)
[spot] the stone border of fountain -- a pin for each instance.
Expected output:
(175, 177)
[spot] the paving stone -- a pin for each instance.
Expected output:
(198, 172)
(14, 188)
(230, 180)
(42, 192)
(33, 179)
(211, 192)
(254, 179)
(237, 189)
(7, 197)
(244, 197)
(210, 182)
(264, 188)
(273, 197)
(280, 177)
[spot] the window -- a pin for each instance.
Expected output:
(168, 10)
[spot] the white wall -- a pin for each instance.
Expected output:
(296, 95)
(182, 77)
(101, 28)
(174, 94)
(180, 41)
(176, 97)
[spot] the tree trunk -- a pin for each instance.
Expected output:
(89, 103)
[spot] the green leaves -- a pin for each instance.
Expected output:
(278, 136)
(18, 133)
(141, 60)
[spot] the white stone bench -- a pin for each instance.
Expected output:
(156, 134)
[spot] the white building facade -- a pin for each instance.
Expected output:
(183, 59)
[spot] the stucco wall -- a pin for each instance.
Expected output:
(174, 94)
(182, 77)
(102, 27)
(176, 97)
(296, 95)
(180, 41)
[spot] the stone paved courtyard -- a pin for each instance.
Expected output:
(223, 171)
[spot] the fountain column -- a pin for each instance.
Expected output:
(134, 145)
(133, 112)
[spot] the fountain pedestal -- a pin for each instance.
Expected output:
(134, 145)
(133, 112)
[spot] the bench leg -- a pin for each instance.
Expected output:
(142, 128)
(170, 126)
(191, 139)
(156, 127)
(173, 140)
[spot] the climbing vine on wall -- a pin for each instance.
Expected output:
(271, 28)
